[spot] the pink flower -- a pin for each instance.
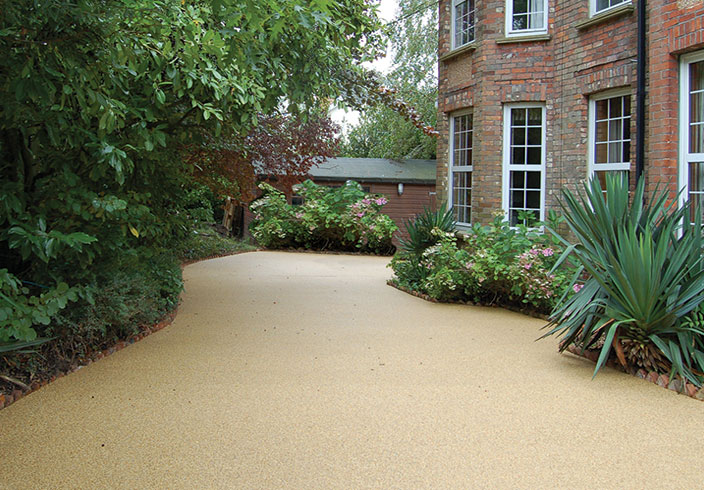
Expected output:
(360, 215)
(533, 251)
(528, 266)
(381, 201)
(548, 252)
(577, 287)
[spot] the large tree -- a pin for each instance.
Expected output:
(384, 131)
(98, 99)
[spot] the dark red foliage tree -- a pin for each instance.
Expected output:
(281, 149)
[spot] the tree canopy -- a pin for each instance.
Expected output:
(383, 130)
(100, 98)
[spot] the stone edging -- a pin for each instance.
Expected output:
(7, 400)
(662, 380)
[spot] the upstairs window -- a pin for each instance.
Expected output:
(599, 6)
(526, 17)
(462, 22)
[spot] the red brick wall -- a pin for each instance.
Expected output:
(676, 28)
(562, 72)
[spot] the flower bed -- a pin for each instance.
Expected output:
(341, 219)
(490, 265)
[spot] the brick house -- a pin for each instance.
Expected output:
(538, 94)
(408, 185)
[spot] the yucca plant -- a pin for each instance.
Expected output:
(420, 229)
(645, 278)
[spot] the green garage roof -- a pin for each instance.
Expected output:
(375, 170)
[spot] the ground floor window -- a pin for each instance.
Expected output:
(692, 128)
(609, 134)
(523, 193)
(461, 166)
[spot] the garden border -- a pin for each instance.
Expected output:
(165, 321)
(662, 380)
(516, 309)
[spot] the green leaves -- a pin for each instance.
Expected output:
(341, 218)
(645, 273)
(102, 101)
(424, 231)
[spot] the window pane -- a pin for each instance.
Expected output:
(518, 156)
(604, 4)
(696, 186)
(536, 20)
(615, 107)
(535, 117)
(520, 6)
(602, 109)
(534, 155)
(535, 136)
(696, 107)
(533, 199)
(518, 136)
(601, 153)
(517, 180)
(696, 138)
(518, 117)
(615, 153)
(696, 76)
(520, 22)
(533, 180)
(517, 199)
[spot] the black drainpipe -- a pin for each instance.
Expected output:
(640, 92)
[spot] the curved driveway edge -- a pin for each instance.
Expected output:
(288, 370)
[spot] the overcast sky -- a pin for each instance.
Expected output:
(387, 12)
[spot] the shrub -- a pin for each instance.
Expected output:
(494, 264)
(343, 218)
(421, 230)
(203, 243)
(645, 279)
(129, 294)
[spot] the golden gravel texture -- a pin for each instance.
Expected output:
(286, 370)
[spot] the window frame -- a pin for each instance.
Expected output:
(592, 166)
(452, 168)
(685, 157)
(593, 11)
(510, 32)
(507, 167)
(453, 24)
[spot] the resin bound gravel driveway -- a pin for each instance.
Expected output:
(307, 371)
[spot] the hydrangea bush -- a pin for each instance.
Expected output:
(493, 264)
(342, 218)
